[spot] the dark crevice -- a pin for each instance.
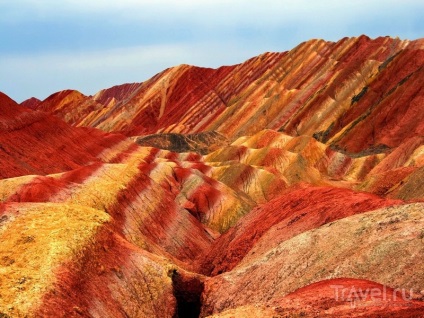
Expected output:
(323, 136)
(387, 62)
(187, 291)
(357, 97)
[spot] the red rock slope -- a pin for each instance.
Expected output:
(286, 186)
(33, 142)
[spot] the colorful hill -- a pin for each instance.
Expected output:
(289, 185)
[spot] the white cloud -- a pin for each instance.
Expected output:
(212, 14)
(210, 11)
(200, 32)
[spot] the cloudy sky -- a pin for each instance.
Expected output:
(51, 45)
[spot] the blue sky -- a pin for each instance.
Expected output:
(50, 45)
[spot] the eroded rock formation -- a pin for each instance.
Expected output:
(286, 186)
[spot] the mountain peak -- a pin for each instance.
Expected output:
(31, 103)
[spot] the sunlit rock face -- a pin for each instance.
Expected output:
(346, 94)
(289, 185)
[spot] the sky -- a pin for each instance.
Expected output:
(50, 45)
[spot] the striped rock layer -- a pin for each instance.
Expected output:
(286, 186)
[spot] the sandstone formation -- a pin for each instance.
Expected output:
(289, 185)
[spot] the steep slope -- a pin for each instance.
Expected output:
(368, 246)
(48, 273)
(183, 99)
(283, 218)
(170, 101)
(346, 93)
(33, 142)
(341, 297)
